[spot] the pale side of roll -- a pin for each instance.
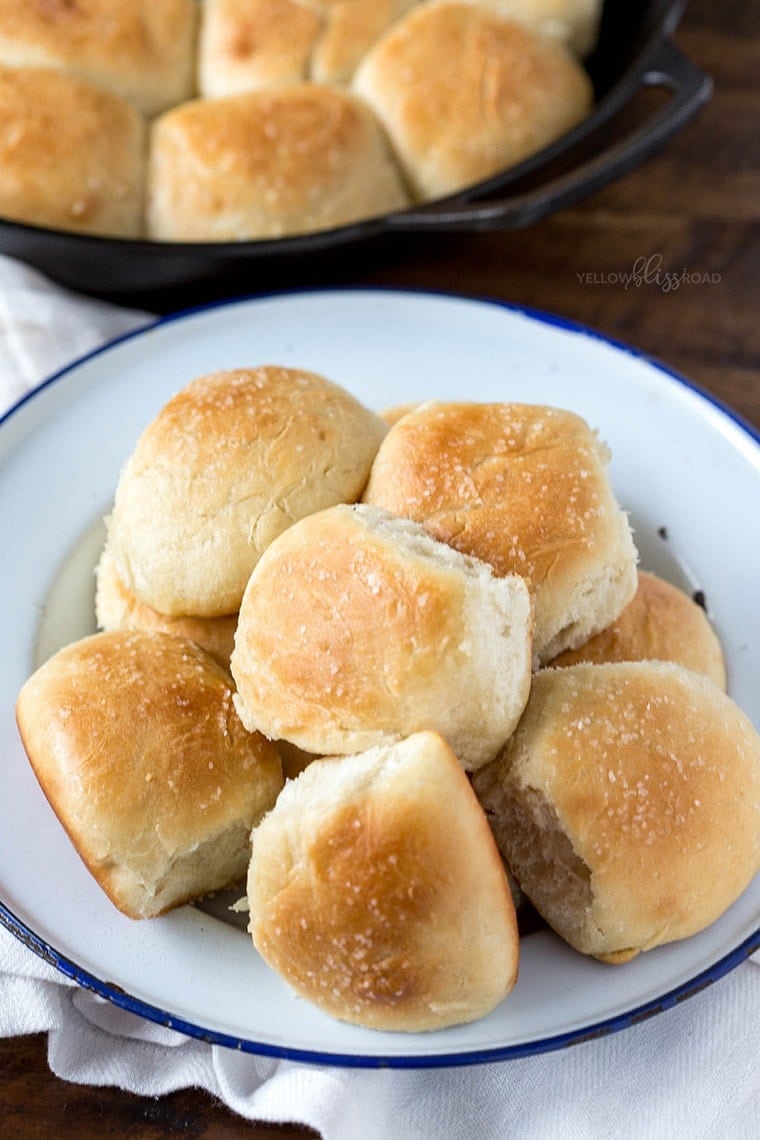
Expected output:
(377, 892)
(358, 629)
(116, 607)
(136, 744)
(230, 462)
(627, 804)
(525, 488)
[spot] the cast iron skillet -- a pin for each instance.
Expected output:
(634, 54)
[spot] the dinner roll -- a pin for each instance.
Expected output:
(661, 623)
(267, 164)
(228, 463)
(504, 92)
(627, 804)
(574, 23)
(136, 744)
(525, 488)
(377, 892)
(71, 154)
(116, 607)
(248, 44)
(357, 629)
(138, 49)
(351, 27)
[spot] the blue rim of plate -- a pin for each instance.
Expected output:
(599, 1029)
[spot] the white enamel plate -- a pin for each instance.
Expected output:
(686, 469)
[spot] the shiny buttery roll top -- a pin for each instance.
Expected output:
(228, 463)
(627, 804)
(503, 93)
(525, 488)
(137, 746)
(139, 49)
(269, 163)
(358, 629)
(71, 154)
(249, 44)
(661, 623)
(377, 892)
(116, 607)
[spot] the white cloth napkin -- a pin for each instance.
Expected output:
(691, 1072)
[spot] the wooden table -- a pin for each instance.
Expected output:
(696, 207)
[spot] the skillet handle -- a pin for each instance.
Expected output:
(666, 67)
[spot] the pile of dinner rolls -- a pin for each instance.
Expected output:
(228, 120)
(400, 672)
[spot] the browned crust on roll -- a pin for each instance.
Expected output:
(269, 163)
(139, 49)
(357, 628)
(504, 92)
(136, 744)
(525, 488)
(249, 44)
(661, 623)
(246, 45)
(229, 463)
(71, 154)
(377, 892)
(627, 804)
(351, 28)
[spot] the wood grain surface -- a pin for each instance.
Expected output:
(695, 207)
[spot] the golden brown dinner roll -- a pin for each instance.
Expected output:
(71, 154)
(627, 804)
(525, 488)
(268, 164)
(136, 744)
(377, 892)
(503, 92)
(357, 629)
(116, 607)
(574, 23)
(661, 623)
(228, 463)
(139, 49)
(245, 45)
(350, 28)
(249, 44)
